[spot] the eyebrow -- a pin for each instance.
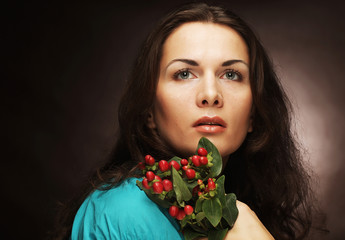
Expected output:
(187, 61)
(233, 61)
(194, 63)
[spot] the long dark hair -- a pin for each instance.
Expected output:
(266, 172)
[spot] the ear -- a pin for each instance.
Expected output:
(250, 126)
(150, 120)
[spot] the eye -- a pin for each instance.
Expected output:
(183, 74)
(231, 75)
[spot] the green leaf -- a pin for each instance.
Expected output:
(159, 202)
(190, 234)
(220, 189)
(163, 174)
(191, 185)
(198, 205)
(154, 197)
(199, 229)
(213, 210)
(140, 185)
(217, 234)
(230, 211)
(184, 221)
(200, 216)
(213, 152)
(177, 159)
(180, 187)
(170, 194)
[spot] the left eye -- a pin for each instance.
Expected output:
(184, 75)
(231, 75)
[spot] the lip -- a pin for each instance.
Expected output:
(210, 125)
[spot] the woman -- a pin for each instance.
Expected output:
(201, 72)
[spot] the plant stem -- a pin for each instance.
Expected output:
(203, 226)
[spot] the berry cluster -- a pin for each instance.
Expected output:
(158, 179)
(205, 190)
(191, 191)
(151, 180)
(158, 176)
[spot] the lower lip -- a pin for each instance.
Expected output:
(210, 129)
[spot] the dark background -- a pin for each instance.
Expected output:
(65, 66)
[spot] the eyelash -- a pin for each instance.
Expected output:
(176, 75)
(240, 77)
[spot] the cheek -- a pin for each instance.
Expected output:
(243, 113)
(166, 111)
(242, 103)
(171, 121)
(171, 104)
(162, 108)
(239, 120)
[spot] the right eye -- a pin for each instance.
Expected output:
(183, 75)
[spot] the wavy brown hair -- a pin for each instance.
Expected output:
(266, 172)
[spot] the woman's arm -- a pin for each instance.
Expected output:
(247, 226)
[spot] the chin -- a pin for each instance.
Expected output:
(187, 152)
(224, 150)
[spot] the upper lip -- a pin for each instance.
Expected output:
(210, 121)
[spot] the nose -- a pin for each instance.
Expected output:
(209, 94)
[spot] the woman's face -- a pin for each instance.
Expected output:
(203, 89)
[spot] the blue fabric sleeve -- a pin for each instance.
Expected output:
(124, 213)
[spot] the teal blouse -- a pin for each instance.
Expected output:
(123, 212)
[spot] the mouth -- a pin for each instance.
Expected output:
(210, 124)
(212, 121)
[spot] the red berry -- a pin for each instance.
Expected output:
(210, 180)
(200, 181)
(196, 160)
(157, 187)
(181, 214)
(149, 160)
(211, 185)
(163, 165)
(150, 176)
(146, 183)
(202, 152)
(173, 211)
(141, 165)
(185, 168)
(203, 160)
(184, 162)
(188, 209)
(199, 194)
(174, 164)
(167, 185)
(190, 173)
(158, 178)
(195, 191)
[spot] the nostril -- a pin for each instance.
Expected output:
(216, 102)
(204, 102)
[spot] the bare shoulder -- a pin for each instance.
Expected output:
(248, 226)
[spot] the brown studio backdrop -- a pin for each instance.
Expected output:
(65, 68)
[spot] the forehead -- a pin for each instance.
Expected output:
(201, 41)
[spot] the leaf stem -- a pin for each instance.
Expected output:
(220, 223)
(203, 226)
